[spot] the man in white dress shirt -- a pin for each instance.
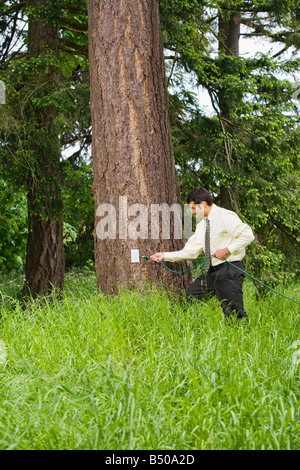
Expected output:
(222, 234)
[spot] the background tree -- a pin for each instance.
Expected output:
(37, 122)
(249, 148)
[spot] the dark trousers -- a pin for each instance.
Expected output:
(224, 281)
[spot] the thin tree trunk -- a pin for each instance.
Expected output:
(229, 34)
(132, 146)
(44, 270)
(45, 261)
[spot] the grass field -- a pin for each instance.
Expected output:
(137, 372)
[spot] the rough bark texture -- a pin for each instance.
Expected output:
(44, 270)
(132, 147)
(45, 260)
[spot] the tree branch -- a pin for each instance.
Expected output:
(9, 39)
(175, 58)
(13, 9)
(75, 25)
(285, 48)
(72, 47)
(72, 8)
(176, 122)
(284, 229)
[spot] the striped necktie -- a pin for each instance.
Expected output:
(207, 246)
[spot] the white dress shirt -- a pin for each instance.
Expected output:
(226, 230)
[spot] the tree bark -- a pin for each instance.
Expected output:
(132, 146)
(229, 35)
(45, 261)
(44, 269)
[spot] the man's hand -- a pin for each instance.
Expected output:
(221, 254)
(157, 257)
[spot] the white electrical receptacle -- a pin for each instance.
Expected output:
(135, 256)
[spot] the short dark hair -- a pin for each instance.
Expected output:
(200, 194)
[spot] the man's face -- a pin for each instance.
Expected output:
(197, 209)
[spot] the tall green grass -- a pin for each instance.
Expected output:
(136, 371)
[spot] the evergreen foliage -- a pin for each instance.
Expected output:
(248, 148)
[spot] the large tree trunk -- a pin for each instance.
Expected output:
(132, 147)
(45, 261)
(229, 35)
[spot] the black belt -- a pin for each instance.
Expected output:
(215, 268)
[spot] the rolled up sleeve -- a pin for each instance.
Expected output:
(191, 250)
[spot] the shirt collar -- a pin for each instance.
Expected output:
(212, 212)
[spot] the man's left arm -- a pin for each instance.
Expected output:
(240, 231)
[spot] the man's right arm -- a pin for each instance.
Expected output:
(191, 250)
